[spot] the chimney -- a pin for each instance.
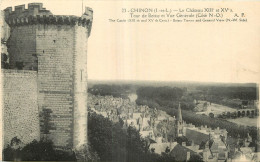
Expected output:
(188, 156)
(205, 155)
(192, 142)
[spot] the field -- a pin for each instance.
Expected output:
(245, 121)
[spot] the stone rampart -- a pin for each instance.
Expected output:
(20, 109)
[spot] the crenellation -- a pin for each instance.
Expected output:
(19, 9)
(48, 19)
(8, 10)
(32, 6)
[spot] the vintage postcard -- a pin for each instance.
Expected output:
(130, 81)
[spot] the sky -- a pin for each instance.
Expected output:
(204, 52)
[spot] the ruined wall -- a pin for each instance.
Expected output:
(20, 109)
(22, 48)
(22, 42)
(5, 33)
(5, 30)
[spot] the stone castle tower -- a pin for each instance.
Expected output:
(54, 48)
(179, 123)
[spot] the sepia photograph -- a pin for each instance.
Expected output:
(130, 81)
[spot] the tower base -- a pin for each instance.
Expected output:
(84, 153)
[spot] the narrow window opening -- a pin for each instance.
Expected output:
(81, 74)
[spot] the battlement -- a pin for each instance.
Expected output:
(20, 11)
(50, 19)
(36, 14)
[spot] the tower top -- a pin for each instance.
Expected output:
(36, 14)
(179, 115)
(33, 9)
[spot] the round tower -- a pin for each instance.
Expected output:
(56, 47)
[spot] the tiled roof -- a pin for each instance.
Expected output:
(180, 152)
(196, 136)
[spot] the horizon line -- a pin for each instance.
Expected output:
(179, 81)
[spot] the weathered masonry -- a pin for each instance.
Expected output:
(55, 47)
(20, 115)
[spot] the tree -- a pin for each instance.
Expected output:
(4, 63)
(113, 143)
(13, 151)
(202, 145)
(182, 139)
(36, 151)
(211, 115)
(135, 146)
(100, 135)
(167, 150)
(195, 157)
(165, 158)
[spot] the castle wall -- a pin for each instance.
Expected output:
(22, 47)
(20, 109)
(55, 49)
